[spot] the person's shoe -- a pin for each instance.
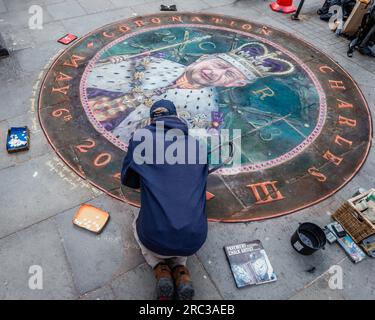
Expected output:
(164, 282)
(183, 283)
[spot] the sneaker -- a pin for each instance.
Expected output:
(164, 282)
(183, 283)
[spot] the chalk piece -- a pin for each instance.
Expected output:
(93, 218)
(67, 39)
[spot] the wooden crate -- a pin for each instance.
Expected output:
(354, 21)
(358, 226)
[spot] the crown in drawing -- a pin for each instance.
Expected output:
(254, 60)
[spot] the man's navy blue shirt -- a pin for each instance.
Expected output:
(172, 220)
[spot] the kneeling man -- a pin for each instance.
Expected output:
(172, 222)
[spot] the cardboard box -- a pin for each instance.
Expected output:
(354, 21)
(18, 139)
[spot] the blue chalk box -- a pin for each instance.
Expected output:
(18, 139)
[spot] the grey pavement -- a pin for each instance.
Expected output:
(39, 194)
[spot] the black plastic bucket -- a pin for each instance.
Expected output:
(308, 238)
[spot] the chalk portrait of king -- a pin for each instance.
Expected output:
(122, 88)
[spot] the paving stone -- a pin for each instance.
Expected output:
(104, 293)
(17, 39)
(369, 94)
(20, 19)
(358, 280)
(15, 97)
(94, 6)
(35, 59)
(319, 290)
(45, 2)
(10, 70)
(203, 285)
(357, 283)
(366, 176)
(3, 130)
(66, 9)
(2, 6)
(32, 193)
(138, 283)
(219, 3)
(19, 5)
(127, 3)
(36, 246)
(83, 25)
(191, 5)
(141, 9)
(237, 10)
(96, 259)
(50, 32)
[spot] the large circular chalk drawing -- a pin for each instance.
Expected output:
(305, 128)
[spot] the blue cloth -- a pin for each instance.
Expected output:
(172, 220)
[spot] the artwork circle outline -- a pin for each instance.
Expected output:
(214, 214)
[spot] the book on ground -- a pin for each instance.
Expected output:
(249, 264)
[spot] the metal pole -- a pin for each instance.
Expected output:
(295, 16)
